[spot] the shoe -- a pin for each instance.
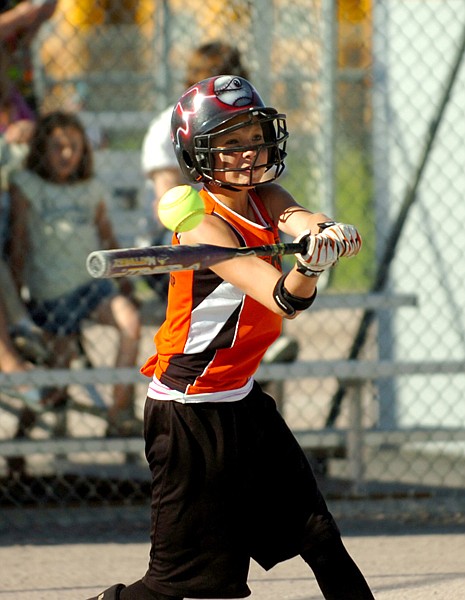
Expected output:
(39, 399)
(111, 593)
(54, 398)
(32, 397)
(30, 344)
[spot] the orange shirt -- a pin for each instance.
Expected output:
(215, 336)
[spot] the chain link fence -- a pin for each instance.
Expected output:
(374, 94)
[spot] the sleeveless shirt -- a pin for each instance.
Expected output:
(214, 335)
(62, 232)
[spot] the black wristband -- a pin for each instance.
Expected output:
(287, 302)
(326, 224)
(303, 270)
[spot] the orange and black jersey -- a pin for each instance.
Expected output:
(215, 336)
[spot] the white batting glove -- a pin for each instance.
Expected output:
(347, 236)
(325, 248)
(322, 252)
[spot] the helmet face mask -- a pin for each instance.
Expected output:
(207, 149)
(218, 106)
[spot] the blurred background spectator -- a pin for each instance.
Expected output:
(159, 161)
(59, 216)
(21, 341)
(19, 24)
(17, 122)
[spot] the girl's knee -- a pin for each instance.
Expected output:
(320, 530)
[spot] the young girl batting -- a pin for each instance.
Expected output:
(229, 480)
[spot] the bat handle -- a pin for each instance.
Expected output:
(301, 246)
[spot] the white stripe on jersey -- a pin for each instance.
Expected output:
(209, 317)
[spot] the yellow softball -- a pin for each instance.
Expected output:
(181, 208)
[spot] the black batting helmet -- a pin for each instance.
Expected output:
(205, 111)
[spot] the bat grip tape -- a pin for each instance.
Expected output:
(289, 303)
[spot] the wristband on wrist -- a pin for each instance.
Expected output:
(326, 224)
(303, 270)
(287, 302)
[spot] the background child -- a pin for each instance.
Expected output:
(59, 216)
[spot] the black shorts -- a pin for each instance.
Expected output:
(230, 483)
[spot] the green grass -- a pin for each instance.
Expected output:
(353, 204)
(125, 140)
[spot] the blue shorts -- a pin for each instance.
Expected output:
(64, 315)
(4, 220)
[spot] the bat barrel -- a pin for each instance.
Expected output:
(126, 261)
(98, 264)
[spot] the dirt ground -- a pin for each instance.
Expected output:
(60, 554)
